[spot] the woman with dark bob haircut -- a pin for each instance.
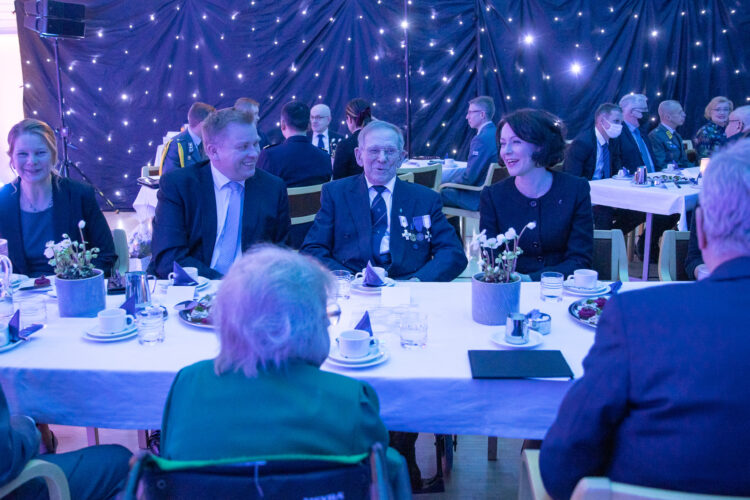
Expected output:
(529, 143)
(358, 114)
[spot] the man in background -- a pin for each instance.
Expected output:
(186, 148)
(666, 143)
(320, 134)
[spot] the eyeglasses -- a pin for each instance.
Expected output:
(319, 117)
(375, 152)
(474, 111)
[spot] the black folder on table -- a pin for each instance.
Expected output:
(519, 364)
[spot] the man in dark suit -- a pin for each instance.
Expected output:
(664, 401)
(320, 134)
(208, 214)
(666, 143)
(295, 160)
(482, 152)
(92, 473)
(186, 148)
(593, 154)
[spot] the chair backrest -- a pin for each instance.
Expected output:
(674, 247)
(53, 476)
(429, 175)
(304, 203)
(407, 177)
(362, 476)
(601, 488)
(610, 257)
(496, 173)
(122, 264)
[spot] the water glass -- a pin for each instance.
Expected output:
(3, 247)
(413, 329)
(551, 286)
(343, 283)
(33, 310)
(150, 322)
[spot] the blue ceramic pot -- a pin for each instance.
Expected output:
(81, 298)
(492, 302)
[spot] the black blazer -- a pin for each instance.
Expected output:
(185, 219)
(580, 156)
(563, 239)
(297, 162)
(344, 161)
(71, 203)
(631, 155)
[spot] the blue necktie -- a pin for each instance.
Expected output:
(606, 171)
(644, 150)
(230, 233)
(379, 217)
(321, 144)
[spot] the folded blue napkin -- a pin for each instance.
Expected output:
(615, 287)
(129, 305)
(181, 278)
(364, 324)
(15, 333)
(371, 278)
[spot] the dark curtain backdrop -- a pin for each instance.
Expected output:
(143, 63)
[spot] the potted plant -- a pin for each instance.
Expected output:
(79, 286)
(496, 290)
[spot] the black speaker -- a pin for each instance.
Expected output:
(55, 19)
(63, 28)
(49, 8)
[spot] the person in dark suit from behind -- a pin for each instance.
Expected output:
(250, 105)
(93, 473)
(296, 161)
(666, 143)
(40, 206)
(358, 114)
(559, 204)
(208, 214)
(320, 133)
(664, 400)
(186, 148)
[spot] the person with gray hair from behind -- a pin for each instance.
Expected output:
(664, 400)
(265, 394)
(666, 142)
(738, 126)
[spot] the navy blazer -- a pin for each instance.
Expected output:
(71, 203)
(334, 138)
(297, 162)
(344, 161)
(19, 442)
(170, 159)
(563, 239)
(580, 156)
(340, 235)
(667, 150)
(631, 155)
(185, 219)
(664, 401)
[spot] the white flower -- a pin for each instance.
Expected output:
(531, 225)
(49, 252)
(478, 240)
(510, 234)
(492, 243)
(81, 224)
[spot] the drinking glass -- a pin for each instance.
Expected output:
(150, 322)
(343, 283)
(3, 247)
(413, 329)
(33, 310)
(551, 286)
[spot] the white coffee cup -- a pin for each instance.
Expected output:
(354, 343)
(585, 278)
(190, 271)
(381, 272)
(114, 320)
(4, 334)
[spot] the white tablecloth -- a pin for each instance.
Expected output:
(61, 378)
(655, 200)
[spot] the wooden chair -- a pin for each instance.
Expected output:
(674, 247)
(429, 176)
(122, 264)
(610, 256)
(57, 483)
(304, 203)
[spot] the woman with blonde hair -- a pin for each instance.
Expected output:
(711, 136)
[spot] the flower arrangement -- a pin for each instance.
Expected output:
(71, 259)
(498, 256)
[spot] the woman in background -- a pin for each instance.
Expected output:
(710, 136)
(358, 114)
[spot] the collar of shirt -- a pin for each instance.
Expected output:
(325, 135)
(599, 138)
(479, 130)
(669, 129)
(388, 186)
(195, 138)
(220, 180)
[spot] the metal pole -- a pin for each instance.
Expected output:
(407, 76)
(64, 171)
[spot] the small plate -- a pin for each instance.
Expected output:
(358, 286)
(601, 289)
(95, 332)
(17, 279)
(130, 335)
(381, 359)
(579, 304)
(535, 339)
(12, 345)
(183, 315)
(335, 355)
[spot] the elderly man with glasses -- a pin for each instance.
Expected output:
(320, 133)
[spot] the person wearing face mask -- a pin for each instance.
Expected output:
(710, 137)
(635, 145)
(592, 154)
(665, 141)
(738, 126)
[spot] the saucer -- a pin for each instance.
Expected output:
(601, 288)
(133, 333)
(94, 332)
(372, 354)
(12, 345)
(358, 286)
(382, 358)
(647, 185)
(622, 178)
(535, 339)
(17, 279)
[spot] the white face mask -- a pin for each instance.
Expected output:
(613, 130)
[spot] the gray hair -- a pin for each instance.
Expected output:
(380, 125)
(271, 308)
(632, 100)
(666, 107)
(725, 198)
(486, 104)
(743, 114)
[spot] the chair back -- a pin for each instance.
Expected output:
(360, 476)
(304, 203)
(610, 257)
(601, 488)
(429, 175)
(122, 264)
(407, 177)
(496, 173)
(674, 247)
(53, 476)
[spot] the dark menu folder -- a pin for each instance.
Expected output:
(519, 364)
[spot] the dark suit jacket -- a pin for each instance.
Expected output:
(19, 442)
(180, 145)
(340, 236)
(664, 401)
(667, 150)
(482, 152)
(344, 161)
(185, 219)
(631, 155)
(297, 162)
(563, 239)
(580, 156)
(71, 203)
(334, 139)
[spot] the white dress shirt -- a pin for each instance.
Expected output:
(221, 192)
(385, 243)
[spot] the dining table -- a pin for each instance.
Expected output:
(59, 376)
